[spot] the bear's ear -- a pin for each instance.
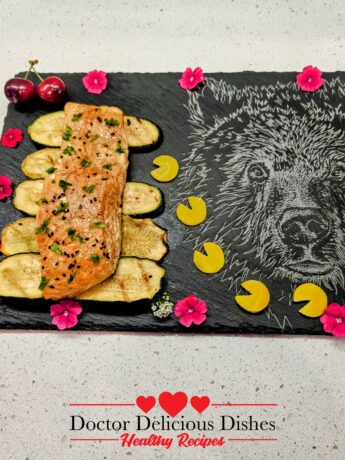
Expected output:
(209, 105)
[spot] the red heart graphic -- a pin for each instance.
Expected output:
(173, 403)
(200, 403)
(146, 403)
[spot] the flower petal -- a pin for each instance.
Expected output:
(200, 307)
(57, 310)
(181, 308)
(328, 322)
(60, 322)
(339, 330)
(333, 309)
(71, 321)
(71, 306)
(198, 318)
(186, 320)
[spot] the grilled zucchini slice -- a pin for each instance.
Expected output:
(19, 237)
(138, 198)
(135, 279)
(20, 276)
(141, 132)
(37, 164)
(142, 238)
(27, 195)
(47, 130)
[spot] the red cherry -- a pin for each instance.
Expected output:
(19, 90)
(52, 90)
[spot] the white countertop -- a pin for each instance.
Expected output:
(42, 372)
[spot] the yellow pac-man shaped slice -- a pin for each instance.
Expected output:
(167, 168)
(213, 261)
(257, 299)
(195, 214)
(316, 298)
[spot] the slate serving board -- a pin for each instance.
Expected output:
(159, 98)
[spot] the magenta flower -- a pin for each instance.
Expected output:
(191, 78)
(95, 81)
(333, 320)
(65, 314)
(310, 79)
(5, 187)
(12, 137)
(190, 310)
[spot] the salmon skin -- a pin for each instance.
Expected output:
(79, 219)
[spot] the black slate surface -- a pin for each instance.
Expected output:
(159, 98)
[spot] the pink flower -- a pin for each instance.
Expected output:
(191, 78)
(5, 187)
(310, 79)
(333, 320)
(95, 81)
(190, 310)
(12, 137)
(65, 314)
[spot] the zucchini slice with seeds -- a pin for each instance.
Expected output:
(19, 237)
(47, 130)
(135, 279)
(20, 276)
(37, 164)
(142, 238)
(27, 194)
(138, 198)
(141, 132)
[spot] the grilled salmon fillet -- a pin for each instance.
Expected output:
(79, 220)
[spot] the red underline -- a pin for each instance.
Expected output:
(245, 405)
(101, 404)
(94, 439)
(253, 439)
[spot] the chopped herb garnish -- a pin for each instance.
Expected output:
(64, 184)
(112, 122)
(44, 282)
(69, 150)
(50, 170)
(63, 205)
(98, 224)
(95, 258)
(120, 149)
(43, 228)
(67, 134)
(89, 189)
(72, 276)
(77, 117)
(85, 162)
(108, 166)
(56, 249)
(94, 138)
(72, 233)
(41, 201)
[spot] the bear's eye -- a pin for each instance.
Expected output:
(338, 172)
(257, 172)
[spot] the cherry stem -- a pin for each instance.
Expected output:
(32, 68)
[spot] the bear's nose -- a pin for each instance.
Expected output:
(303, 227)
